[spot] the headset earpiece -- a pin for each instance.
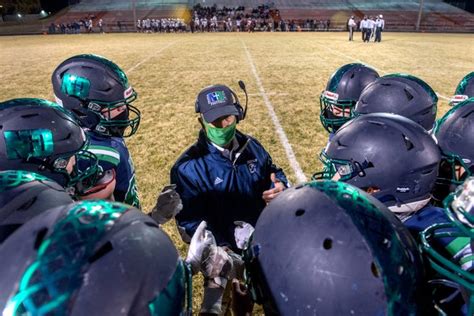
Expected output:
(238, 106)
(196, 106)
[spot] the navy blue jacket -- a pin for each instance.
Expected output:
(220, 190)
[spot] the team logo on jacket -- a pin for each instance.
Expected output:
(252, 165)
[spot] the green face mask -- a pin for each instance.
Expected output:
(220, 136)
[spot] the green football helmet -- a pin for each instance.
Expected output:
(464, 90)
(42, 137)
(459, 207)
(92, 87)
(341, 94)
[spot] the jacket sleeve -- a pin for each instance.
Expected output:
(188, 188)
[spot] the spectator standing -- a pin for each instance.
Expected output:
(89, 26)
(379, 26)
(371, 28)
(363, 28)
(351, 24)
(101, 26)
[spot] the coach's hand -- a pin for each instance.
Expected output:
(168, 205)
(272, 193)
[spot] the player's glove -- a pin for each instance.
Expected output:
(204, 255)
(242, 233)
(168, 205)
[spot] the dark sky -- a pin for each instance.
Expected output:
(54, 5)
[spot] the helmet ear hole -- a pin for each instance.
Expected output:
(299, 212)
(327, 243)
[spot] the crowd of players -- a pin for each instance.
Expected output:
(385, 228)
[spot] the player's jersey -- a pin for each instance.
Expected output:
(459, 248)
(112, 153)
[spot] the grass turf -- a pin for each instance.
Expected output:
(168, 70)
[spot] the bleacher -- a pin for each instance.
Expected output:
(400, 15)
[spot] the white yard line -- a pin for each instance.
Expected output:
(276, 122)
(269, 93)
(381, 71)
(150, 57)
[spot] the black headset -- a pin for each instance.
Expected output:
(236, 103)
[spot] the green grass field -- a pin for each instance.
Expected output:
(168, 70)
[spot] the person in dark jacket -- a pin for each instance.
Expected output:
(225, 178)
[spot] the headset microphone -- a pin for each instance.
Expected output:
(242, 86)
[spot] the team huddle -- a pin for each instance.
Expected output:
(385, 228)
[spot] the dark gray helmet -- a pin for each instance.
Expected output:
(327, 248)
(455, 135)
(387, 153)
(92, 258)
(23, 195)
(400, 94)
(464, 90)
(41, 137)
(91, 86)
(342, 91)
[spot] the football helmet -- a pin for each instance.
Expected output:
(342, 92)
(328, 248)
(42, 137)
(454, 133)
(400, 94)
(23, 195)
(92, 87)
(464, 90)
(459, 207)
(386, 154)
(92, 258)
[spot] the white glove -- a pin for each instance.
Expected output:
(242, 233)
(168, 205)
(201, 240)
(204, 255)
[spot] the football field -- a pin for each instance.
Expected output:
(284, 75)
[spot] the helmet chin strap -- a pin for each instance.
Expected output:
(403, 211)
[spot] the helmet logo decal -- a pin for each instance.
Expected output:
(331, 95)
(76, 86)
(128, 92)
(94, 107)
(29, 143)
(403, 189)
(458, 98)
(60, 163)
(216, 97)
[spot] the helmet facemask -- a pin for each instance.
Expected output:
(340, 169)
(121, 125)
(334, 113)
